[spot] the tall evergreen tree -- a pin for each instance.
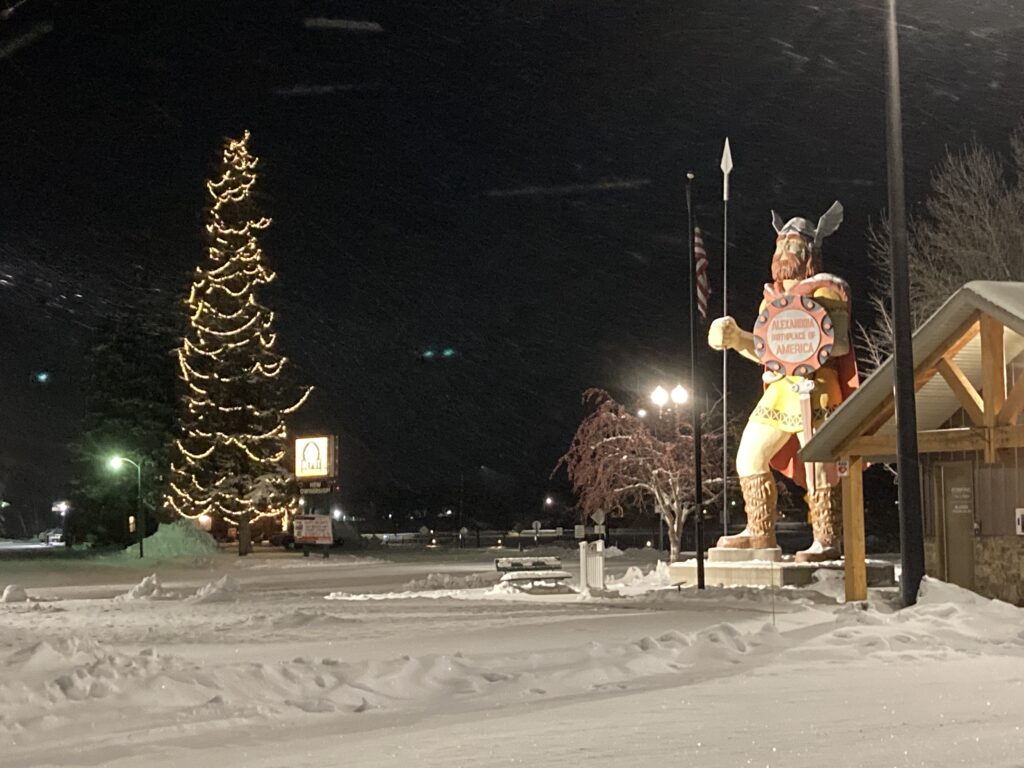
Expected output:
(228, 460)
(129, 411)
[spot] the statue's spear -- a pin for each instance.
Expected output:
(726, 170)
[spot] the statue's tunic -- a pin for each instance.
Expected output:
(779, 406)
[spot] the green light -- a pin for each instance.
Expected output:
(448, 352)
(428, 354)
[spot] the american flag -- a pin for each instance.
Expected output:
(700, 258)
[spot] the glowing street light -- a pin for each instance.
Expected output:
(659, 396)
(116, 462)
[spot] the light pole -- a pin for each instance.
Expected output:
(660, 397)
(116, 463)
(907, 460)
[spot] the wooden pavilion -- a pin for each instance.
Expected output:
(969, 377)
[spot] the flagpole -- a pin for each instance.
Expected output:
(698, 491)
(726, 170)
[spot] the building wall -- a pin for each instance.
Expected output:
(932, 565)
(999, 567)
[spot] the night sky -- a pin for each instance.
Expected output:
(501, 178)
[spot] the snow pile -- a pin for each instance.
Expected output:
(613, 551)
(829, 582)
(635, 581)
(178, 539)
(149, 588)
(14, 593)
(224, 590)
(450, 581)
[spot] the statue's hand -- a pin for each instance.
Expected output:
(723, 334)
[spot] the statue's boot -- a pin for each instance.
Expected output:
(827, 523)
(759, 496)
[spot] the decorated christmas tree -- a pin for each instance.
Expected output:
(228, 458)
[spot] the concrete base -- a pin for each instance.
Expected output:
(758, 573)
(729, 555)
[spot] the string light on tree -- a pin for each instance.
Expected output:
(228, 456)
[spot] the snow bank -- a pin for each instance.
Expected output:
(178, 539)
(613, 551)
(14, 593)
(149, 588)
(635, 577)
(224, 590)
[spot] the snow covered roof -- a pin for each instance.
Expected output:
(936, 403)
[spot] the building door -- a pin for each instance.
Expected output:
(957, 532)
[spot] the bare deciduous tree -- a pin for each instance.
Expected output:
(972, 229)
(618, 459)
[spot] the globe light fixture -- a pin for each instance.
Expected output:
(659, 396)
(680, 395)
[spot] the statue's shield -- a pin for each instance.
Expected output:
(793, 335)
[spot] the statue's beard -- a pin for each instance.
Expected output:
(793, 260)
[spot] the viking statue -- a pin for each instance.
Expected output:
(793, 397)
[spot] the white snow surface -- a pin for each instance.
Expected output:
(425, 661)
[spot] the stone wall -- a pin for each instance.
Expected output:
(999, 567)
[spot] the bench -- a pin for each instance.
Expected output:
(525, 573)
(516, 564)
(526, 580)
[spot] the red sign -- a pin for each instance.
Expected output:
(793, 335)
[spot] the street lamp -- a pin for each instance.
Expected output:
(680, 395)
(660, 396)
(116, 462)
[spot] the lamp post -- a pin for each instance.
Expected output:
(660, 397)
(116, 462)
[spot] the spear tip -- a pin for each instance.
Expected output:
(726, 158)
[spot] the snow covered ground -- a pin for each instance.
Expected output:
(422, 659)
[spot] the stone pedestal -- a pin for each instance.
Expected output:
(766, 573)
(729, 555)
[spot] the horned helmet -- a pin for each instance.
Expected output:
(798, 244)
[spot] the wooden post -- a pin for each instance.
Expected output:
(854, 566)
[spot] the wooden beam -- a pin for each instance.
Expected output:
(923, 373)
(928, 441)
(1008, 437)
(965, 392)
(854, 566)
(1014, 403)
(956, 341)
(993, 368)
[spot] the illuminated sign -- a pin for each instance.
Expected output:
(314, 457)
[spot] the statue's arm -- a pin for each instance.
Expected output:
(724, 333)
